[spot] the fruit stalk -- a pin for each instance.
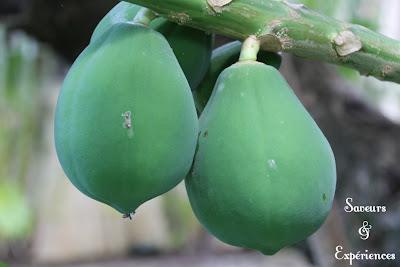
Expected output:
(144, 16)
(291, 28)
(250, 49)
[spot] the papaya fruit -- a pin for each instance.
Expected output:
(221, 58)
(125, 123)
(264, 175)
(192, 47)
(121, 12)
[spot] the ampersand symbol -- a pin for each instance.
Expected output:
(364, 230)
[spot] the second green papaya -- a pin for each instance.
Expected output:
(264, 174)
(221, 58)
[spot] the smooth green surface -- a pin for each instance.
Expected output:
(192, 47)
(121, 12)
(264, 175)
(222, 57)
(130, 68)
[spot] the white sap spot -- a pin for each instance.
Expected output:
(127, 124)
(272, 164)
(282, 122)
(241, 94)
(127, 119)
(221, 87)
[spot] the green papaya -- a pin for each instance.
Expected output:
(121, 12)
(264, 175)
(125, 124)
(191, 47)
(221, 58)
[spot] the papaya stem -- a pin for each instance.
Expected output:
(250, 49)
(144, 16)
(290, 28)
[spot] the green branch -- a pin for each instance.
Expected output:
(290, 28)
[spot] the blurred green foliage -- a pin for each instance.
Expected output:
(179, 216)
(15, 216)
(363, 12)
(19, 128)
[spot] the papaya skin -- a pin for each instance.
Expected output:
(192, 47)
(121, 12)
(221, 58)
(125, 123)
(264, 175)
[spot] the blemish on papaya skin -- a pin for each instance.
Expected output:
(218, 5)
(271, 167)
(324, 197)
(127, 119)
(127, 124)
(205, 134)
(272, 164)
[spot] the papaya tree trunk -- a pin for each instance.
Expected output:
(292, 28)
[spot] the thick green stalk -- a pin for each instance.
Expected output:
(250, 48)
(292, 28)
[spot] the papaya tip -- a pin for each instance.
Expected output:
(128, 215)
(269, 251)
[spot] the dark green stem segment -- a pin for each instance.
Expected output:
(144, 16)
(291, 28)
(250, 49)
